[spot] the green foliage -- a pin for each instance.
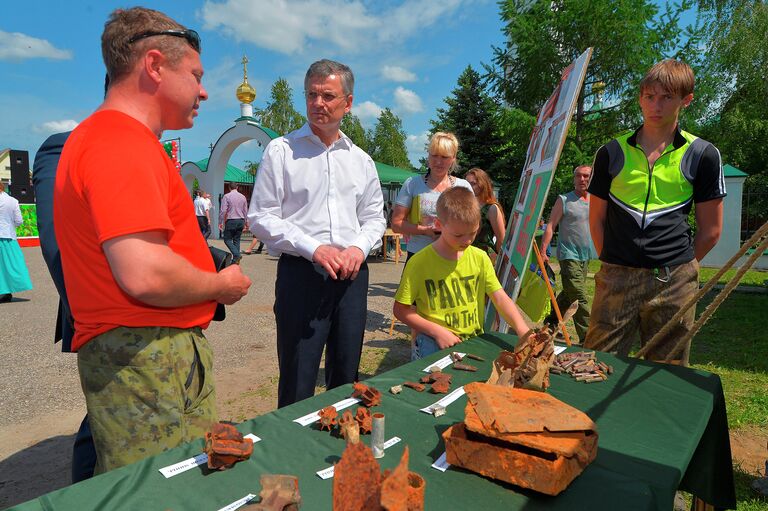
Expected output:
(388, 141)
(543, 37)
(279, 114)
(251, 167)
(472, 116)
(28, 225)
(352, 128)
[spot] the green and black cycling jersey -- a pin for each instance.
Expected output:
(646, 222)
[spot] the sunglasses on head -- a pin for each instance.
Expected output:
(192, 37)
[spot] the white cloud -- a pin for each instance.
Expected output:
(285, 27)
(57, 126)
(18, 46)
(407, 101)
(417, 147)
(367, 112)
(295, 26)
(398, 74)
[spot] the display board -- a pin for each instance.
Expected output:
(544, 150)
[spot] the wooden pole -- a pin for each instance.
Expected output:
(540, 262)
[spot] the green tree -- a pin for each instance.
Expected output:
(544, 36)
(279, 114)
(352, 128)
(388, 141)
(471, 115)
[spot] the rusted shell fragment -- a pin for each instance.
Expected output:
(543, 449)
(464, 367)
(327, 418)
(441, 386)
(475, 357)
(418, 387)
(368, 395)
(456, 357)
(278, 493)
(225, 446)
(528, 365)
(349, 427)
(357, 480)
(402, 490)
(364, 419)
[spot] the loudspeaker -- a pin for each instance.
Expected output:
(21, 185)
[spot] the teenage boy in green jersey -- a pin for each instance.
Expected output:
(643, 187)
(449, 280)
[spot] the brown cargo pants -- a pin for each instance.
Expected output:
(630, 300)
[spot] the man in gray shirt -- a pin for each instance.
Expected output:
(234, 210)
(574, 248)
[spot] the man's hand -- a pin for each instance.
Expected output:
(349, 261)
(221, 227)
(445, 338)
(544, 256)
(234, 285)
(329, 258)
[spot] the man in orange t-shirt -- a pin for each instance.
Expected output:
(141, 281)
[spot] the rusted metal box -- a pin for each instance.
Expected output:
(523, 437)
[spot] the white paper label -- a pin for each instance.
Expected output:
(198, 460)
(327, 473)
(239, 503)
(450, 398)
(441, 464)
(559, 349)
(442, 363)
(315, 416)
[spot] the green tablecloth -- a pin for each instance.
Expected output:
(661, 427)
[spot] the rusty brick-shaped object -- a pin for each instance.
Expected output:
(364, 419)
(368, 395)
(327, 418)
(225, 446)
(543, 448)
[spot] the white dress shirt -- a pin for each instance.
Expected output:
(307, 194)
(10, 216)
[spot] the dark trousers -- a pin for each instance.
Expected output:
(312, 312)
(83, 453)
(233, 229)
(205, 226)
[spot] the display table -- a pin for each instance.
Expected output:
(661, 428)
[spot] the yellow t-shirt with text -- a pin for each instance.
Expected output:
(449, 293)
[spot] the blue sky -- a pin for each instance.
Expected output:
(406, 55)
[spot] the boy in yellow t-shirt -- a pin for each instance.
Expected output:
(448, 281)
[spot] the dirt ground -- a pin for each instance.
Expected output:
(42, 403)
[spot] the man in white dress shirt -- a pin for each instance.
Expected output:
(317, 203)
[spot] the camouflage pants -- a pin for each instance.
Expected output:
(628, 300)
(147, 390)
(574, 277)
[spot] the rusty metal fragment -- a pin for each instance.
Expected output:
(418, 387)
(523, 437)
(225, 446)
(358, 485)
(475, 357)
(278, 493)
(582, 366)
(357, 480)
(441, 386)
(364, 419)
(327, 418)
(464, 367)
(528, 365)
(368, 395)
(349, 427)
(456, 357)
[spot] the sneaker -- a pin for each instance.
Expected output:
(237, 260)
